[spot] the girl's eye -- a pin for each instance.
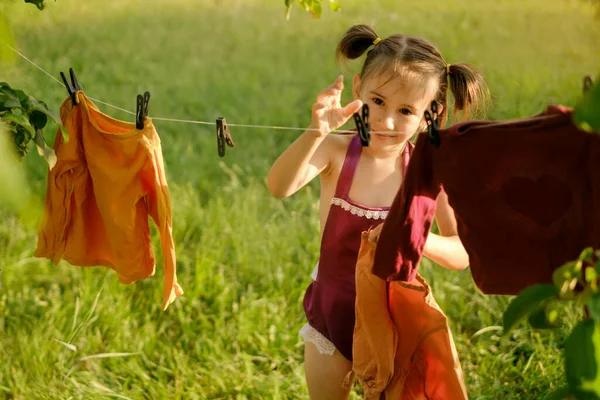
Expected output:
(377, 101)
(405, 111)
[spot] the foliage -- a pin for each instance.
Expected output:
(312, 6)
(24, 118)
(40, 4)
(578, 282)
(587, 110)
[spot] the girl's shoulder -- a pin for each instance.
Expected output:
(336, 146)
(341, 141)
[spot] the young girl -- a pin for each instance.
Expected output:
(400, 78)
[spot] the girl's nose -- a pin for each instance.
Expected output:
(389, 123)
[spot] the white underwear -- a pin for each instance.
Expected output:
(310, 334)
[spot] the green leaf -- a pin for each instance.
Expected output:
(21, 142)
(11, 103)
(544, 318)
(582, 354)
(38, 3)
(305, 4)
(312, 6)
(21, 95)
(566, 278)
(38, 119)
(587, 254)
(7, 90)
(316, 10)
(594, 306)
(526, 302)
(587, 111)
(43, 108)
(25, 103)
(43, 149)
(591, 274)
(334, 5)
(559, 394)
(19, 120)
(22, 138)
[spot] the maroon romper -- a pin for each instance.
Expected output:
(329, 300)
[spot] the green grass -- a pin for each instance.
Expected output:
(244, 258)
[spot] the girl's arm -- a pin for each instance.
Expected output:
(446, 249)
(299, 164)
(311, 153)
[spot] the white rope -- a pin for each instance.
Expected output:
(35, 65)
(192, 121)
(110, 105)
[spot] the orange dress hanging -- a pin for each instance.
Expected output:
(403, 348)
(108, 179)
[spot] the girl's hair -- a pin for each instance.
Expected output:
(416, 57)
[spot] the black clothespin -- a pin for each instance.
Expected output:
(587, 83)
(223, 136)
(433, 125)
(141, 110)
(362, 125)
(73, 86)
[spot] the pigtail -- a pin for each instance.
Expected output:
(355, 42)
(471, 95)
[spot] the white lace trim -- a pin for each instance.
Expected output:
(361, 212)
(310, 334)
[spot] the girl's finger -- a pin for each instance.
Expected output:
(330, 92)
(351, 108)
(319, 105)
(338, 84)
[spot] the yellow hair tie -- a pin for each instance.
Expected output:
(376, 41)
(448, 69)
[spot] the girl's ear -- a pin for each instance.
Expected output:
(356, 87)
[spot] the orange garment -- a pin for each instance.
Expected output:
(109, 177)
(403, 347)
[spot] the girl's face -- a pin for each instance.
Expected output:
(396, 105)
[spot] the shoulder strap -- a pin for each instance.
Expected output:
(350, 162)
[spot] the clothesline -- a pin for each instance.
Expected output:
(186, 120)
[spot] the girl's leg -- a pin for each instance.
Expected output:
(325, 374)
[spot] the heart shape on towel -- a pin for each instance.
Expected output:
(543, 200)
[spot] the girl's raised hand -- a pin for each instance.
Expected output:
(327, 112)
